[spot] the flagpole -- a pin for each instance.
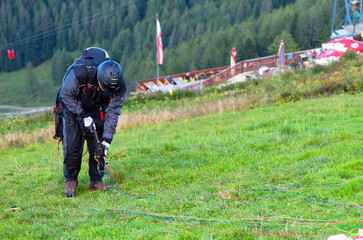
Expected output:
(157, 65)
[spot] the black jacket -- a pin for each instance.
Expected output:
(77, 83)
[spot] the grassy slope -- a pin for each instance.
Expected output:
(15, 90)
(14, 86)
(212, 162)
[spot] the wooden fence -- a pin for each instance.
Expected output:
(221, 74)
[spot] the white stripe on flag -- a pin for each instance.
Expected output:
(233, 57)
(159, 43)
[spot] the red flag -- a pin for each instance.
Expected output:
(233, 61)
(233, 57)
(11, 54)
(159, 42)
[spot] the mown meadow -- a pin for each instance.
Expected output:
(289, 170)
(265, 159)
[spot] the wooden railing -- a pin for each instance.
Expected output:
(140, 85)
(249, 65)
(222, 74)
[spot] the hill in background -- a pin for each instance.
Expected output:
(196, 35)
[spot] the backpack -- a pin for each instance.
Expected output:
(58, 123)
(90, 58)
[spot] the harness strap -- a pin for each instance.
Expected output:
(56, 151)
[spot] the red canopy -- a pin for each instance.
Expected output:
(344, 44)
(329, 56)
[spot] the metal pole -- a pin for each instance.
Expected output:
(157, 65)
(360, 12)
(348, 20)
(333, 19)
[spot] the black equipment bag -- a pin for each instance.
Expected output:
(58, 123)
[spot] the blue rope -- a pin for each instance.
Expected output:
(118, 186)
(183, 219)
(325, 204)
(39, 228)
(273, 189)
(295, 187)
(58, 229)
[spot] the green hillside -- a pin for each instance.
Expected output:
(16, 90)
(344, 76)
(292, 169)
(196, 35)
(30, 87)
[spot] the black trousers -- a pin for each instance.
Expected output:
(73, 142)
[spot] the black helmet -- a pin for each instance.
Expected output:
(110, 75)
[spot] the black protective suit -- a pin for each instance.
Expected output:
(82, 97)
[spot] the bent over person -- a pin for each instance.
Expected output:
(93, 92)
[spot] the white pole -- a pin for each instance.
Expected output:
(157, 65)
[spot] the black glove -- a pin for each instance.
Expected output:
(85, 122)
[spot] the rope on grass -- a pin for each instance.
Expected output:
(39, 227)
(258, 197)
(113, 181)
(327, 185)
(326, 202)
(118, 186)
(248, 189)
(57, 229)
(155, 189)
(184, 220)
(69, 229)
(15, 208)
(249, 233)
(303, 222)
(130, 211)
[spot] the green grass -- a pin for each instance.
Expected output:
(203, 178)
(21, 123)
